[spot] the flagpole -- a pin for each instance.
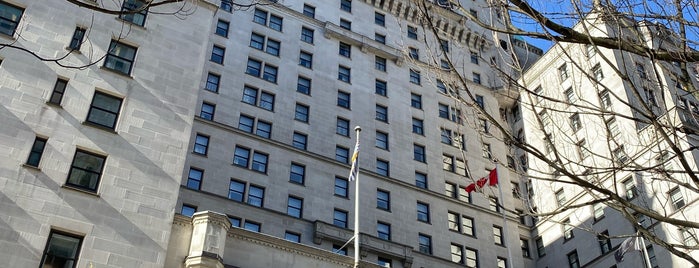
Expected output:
(646, 258)
(357, 129)
(504, 218)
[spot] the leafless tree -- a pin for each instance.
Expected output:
(649, 47)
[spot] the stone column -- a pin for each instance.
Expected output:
(208, 240)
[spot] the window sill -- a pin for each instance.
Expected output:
(116, 72)
(87, 123)
(131, 23)
(71, 50)
(80, 190)
(57, 105)
(31, 167)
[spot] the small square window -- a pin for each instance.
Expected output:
(423, 212)
(201, 144)
(383, 199)
(342, 127)
(256, 196)
(9, 18)
(345, 24)
(217, 54)
(477, 78)
(344, 74)
(346, 5)
(383, 230)
(194, 179)
(241, 157)
(226, 5)
(236, 190)
(293, 237)
(381, 87)
(252, 226)
(301, 113)
(120, 57)
(294, 207)
(104, 110)
(419, 153)
(86, 170)
(138, 18)
(412, 32)
(381, 38)
(382, 140)
(382, 167)
(207, 111)
(415, 77)
(297, 173)
(303, 85)
(36, 152)
(425, 244)
(62, 249)
(418, 127)
(381, 113)
(306, 59)
(416, 100)
(77, 40)
(340, 218)
(343, 99)
(341, 187)
(345, 50)
(307, 35)
(59, 89)
(380, 63)
(421, 180)
(342, 154)
(309, 11)
(259, 162)
(222, 28)
(299, 141)
(380, 19)
(212, 82)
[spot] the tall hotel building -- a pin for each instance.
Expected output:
(625, 125)
(210, 135)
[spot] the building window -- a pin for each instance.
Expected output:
(343, 74)
(425, 244)
(560, 198)
(297, 173)
(138, 18)
(256, 196)
(194, 178)
(497, 235)
(217, 54)
(235, 221)
(260, 42)
(341, 187)
(575, 124)
(381, 113)
(383, 230)
(293, 237)
(260, 17)
(346, 5)
(380, 63)
(443, 111)
(605, 244)
(454, 223)
(416, 100)
(421, 180)
(268, 72)
(241, 156)
(415, 77)
(630, 188)
(414, 53)
(540, 248)
(418, 126)
(583, 152)
(382, 140)
(342, 127)
(412, 32)
(383, 200)
(448, 163)
(688, 237)
(227, 5)
(294, 207)
(236, 190)
(676, 198)
(62, 249)
(259, 162)
(340, 218)
(494, 204)
(343, 99)
(212, 82)
(120, 57)
(379, 19)
(266, 100)
(246, 123)
(201, 144)
(423, 212)
(524, 244)
(471, 258)
(476, 78)
(419, 153)
(380, 38)
(339, 250)
(252, 226)
(86, 170)
(651, 256)
(383, 167)
(222, 28)
(597, 72)
(620, 155)
(487, 153)
(598, 211)
(573, 261)
(77, 40)
(567, 229)
(299, 141)
(307, 35)
(305, 60)
(188, 210)
(381, 87)
(457, 255)
(9, 18)
(36, 152)
(345, 24)
(59, 89)
(444, 45)
(309, 11)
(384, 262)
(468, 226)
(474, 57)
(301, 113)
(342, 154)
(345, 50)
(563, 72)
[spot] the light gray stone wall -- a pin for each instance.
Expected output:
(127, 222)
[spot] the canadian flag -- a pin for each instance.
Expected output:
(491, 180)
